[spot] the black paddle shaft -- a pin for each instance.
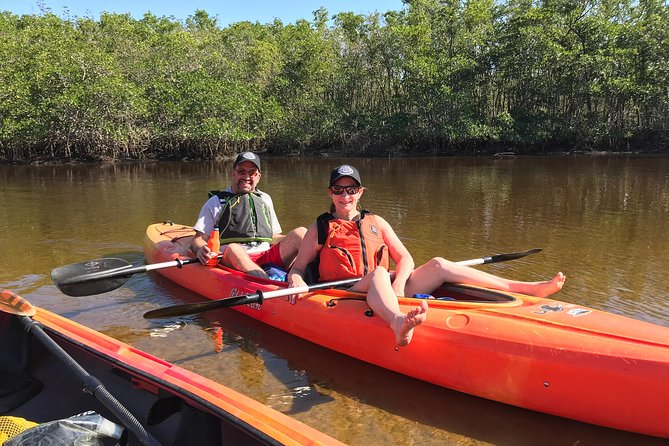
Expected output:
(257, 297)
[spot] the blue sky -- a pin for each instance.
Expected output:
(227, 11)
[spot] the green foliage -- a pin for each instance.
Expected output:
(439, 75)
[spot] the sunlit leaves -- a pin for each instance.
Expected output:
(438, 76)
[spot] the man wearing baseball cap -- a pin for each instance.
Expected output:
(249, 229)
(247, 156)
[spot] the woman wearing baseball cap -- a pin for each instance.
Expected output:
(353, 243)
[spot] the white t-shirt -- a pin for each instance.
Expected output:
(211, 212)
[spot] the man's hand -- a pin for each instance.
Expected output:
(206, 256)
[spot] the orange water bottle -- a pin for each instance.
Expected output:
(214, 244)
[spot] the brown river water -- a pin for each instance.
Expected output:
(603, 221)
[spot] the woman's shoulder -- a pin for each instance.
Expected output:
(385, 227)
(377, 218)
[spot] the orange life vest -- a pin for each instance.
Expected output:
(350, 248)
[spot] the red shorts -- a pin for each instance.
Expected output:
(271, 256)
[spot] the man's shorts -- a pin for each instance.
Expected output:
(271, 256)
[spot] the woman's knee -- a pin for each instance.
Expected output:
(439, 263)
(379, 271)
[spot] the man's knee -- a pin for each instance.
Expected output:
(298, 233)
(232, 249)
(232, 253)
(293, 240)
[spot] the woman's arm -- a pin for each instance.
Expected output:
(309, 249)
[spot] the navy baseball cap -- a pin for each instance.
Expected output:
(247, 156)
(345, 170)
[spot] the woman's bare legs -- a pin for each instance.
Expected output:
(432, 274)
(382, 300)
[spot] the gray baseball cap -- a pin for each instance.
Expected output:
(345, 170)
(247, 156)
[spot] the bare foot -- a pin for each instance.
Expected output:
(543, 289)
(403, 327)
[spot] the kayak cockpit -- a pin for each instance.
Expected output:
(466, 293)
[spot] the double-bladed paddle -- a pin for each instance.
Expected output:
(498, 258)
(259, 296)
(14, 304)
(102, 275)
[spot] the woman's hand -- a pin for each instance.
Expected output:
(295, 280)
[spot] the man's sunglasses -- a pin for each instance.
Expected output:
(244, 172)
(338, 190)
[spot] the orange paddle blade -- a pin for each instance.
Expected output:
(15, 304)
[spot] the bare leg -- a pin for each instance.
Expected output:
(431, 275)
(235, 256)
(290, 245)
(382, 300)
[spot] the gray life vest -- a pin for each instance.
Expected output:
(244, 217)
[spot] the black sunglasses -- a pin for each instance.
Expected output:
(338, 190)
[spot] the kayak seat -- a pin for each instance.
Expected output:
(465, 293)
(182, 424)
(163, 409)
(16, 389)
(16, 384)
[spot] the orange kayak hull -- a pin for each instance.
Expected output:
(537, 353)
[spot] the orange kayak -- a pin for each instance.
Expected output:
(174, 405)
(537, 353)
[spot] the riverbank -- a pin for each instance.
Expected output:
(504, 154)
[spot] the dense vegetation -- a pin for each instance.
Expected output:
(439, 77)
